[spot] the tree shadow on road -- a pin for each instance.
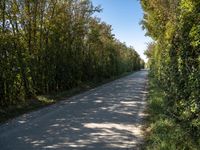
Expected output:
(108, 117)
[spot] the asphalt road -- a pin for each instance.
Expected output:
(108, 117)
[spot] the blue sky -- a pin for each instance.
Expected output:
(124, 16)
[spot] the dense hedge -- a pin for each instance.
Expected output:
(174, 57)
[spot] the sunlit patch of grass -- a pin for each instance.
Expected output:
(44, 99)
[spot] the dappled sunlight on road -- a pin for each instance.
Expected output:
(108, 117)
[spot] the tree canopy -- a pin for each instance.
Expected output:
(54, 45)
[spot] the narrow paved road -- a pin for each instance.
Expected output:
(108, 117)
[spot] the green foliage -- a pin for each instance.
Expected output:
(165, 132)
(55, 45)
(174, 57)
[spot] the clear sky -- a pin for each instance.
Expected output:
(124, 16)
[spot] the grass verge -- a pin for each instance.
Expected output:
(162, 130)
(41, 101)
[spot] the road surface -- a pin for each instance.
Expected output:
(108, 117)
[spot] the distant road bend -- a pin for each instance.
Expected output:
(108, 117)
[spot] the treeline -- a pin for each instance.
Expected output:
(55, 45)
(174, 58)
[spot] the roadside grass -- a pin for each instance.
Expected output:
(41, 101)
(162, 130)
